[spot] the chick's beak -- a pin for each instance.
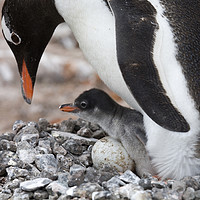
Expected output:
(69, 108)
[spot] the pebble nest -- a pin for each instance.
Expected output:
(44, 161)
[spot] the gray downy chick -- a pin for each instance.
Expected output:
(121, 123)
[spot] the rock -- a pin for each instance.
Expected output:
(76, 176)
(85, 190)
(189, 194)
(4, 196)
(98, 134)
(67, 125)
(102, 195)
(113, 183)
(64, 162)
(109, 152)
(73, 147)
(145, 183)
(20, 195)
(179, 186)
(86, 159)
(129, 177)
(132, 192)
(158, 184)
(46, 162)
(27, 133)
(26, 152)
(7, 136)
(61, 137)
(43, 124)
(33, 171)
(12, 184)
(34, 184)
(191, 182)
(56, 188)
(40, 194)
(18, 125)
(63, 179)
(197, 195)
(7, 145)
(44, 146)
(85, 132)
(15, 172)
(57, 149)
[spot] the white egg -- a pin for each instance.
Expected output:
(109, 152)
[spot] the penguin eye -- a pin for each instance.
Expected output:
(83, 104)
(15, 38)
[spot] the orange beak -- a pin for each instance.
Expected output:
(68, 108)
(27, 85)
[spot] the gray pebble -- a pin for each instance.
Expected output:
(102, 195)
(63, 178)
(46, 162)
(86, 159)
(56, 188)
(7, 136)
(73, 147)
(20, 195)
(34, 184)
(40, 194)
(18, 125)
(85, 132)
(26, 152)
(15, 172)
(113, 183)
(64, 162)
(197, 195)
(145, 183)
(7, 145)
(43, 124)
(57, 149)
(179, 186)
(67, 125)
(191, 182)
(4, 196)
(189, 194)
(129, 177)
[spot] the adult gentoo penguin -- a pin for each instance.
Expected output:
(146, 51)
(121, 123)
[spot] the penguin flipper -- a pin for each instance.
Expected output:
(135, 27)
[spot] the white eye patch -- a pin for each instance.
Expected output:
(10, 36)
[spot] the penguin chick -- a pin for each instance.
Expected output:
(121, 123)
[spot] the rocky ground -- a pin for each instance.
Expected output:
(45, 161)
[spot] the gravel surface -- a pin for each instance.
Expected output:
(45, 161)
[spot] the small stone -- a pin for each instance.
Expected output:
(43, 124)
(191, 182)
(85, 190)
(98, 134)
(67, 125)
(32, 139)
(26, 133)
(33, 171)
(15, 172)
(57, 149)
(76, 176)
(113, 183)
(189, 194)
(20, 195)
(46, 162)
(56, 188)
(86, 159)
(179, 186)
(43, 134)
(26, 152)
(85, 132)
(34, 184)
(158, 184)
(197, 195)
(18, 125)
(130, 191)
(129, 177)
(40, 194)
(12, 184)
(64, 162)
(73, 147)
(7, 136)
(145, 183)
(4, 196)
(61, 137)
(102, 195)
(7, 145)
(63, 178)
(55, 197)
(33, 124)
(45, 144)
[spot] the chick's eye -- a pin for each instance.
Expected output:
(15, 38)
(83, 104)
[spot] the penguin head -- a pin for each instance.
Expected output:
(27, 26)
(91, 105)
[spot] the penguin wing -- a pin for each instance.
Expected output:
(135, 27)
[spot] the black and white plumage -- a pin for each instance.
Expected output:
(121, 123)
(146, 51)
